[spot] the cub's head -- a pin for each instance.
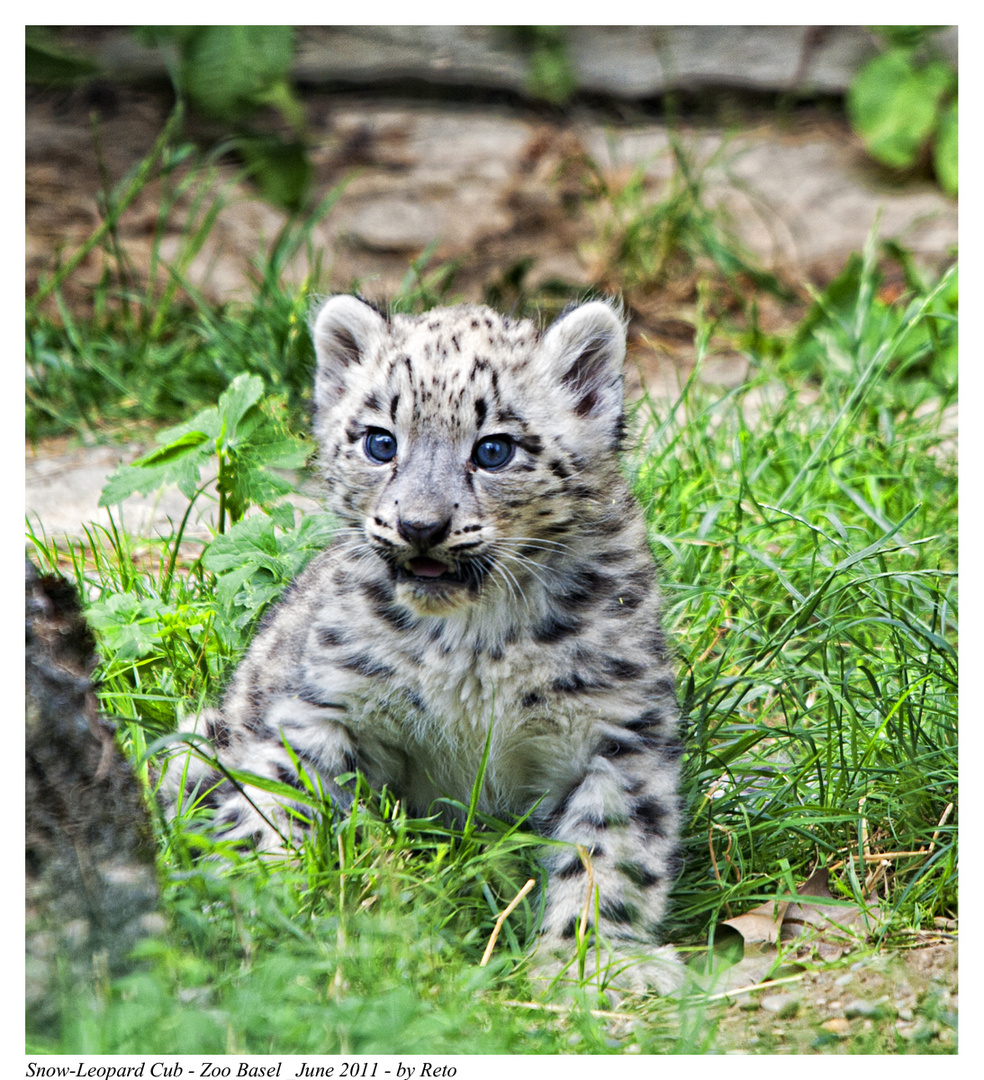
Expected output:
(466, 449)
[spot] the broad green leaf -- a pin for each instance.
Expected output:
(256, 558)
(281, 170)
(226, 69)
(185, 471)
(129, 626)
(893, 104)
(235, 402)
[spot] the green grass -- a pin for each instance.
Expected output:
(805, 523)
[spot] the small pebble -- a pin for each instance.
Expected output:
(784, 1006)
(837, 1025)
(860, 1008)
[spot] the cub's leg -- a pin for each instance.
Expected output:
(624, 814)
(321, 744)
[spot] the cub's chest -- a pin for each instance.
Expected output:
(427, 734)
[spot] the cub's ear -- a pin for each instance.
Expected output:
(343, 330)
(584, 351)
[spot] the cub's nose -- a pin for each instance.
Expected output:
(426, 533)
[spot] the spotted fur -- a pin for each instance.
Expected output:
(460, 595)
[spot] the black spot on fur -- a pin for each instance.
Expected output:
(646, 721)
(311, 695)
(415, 700)
(638, 874)
(570, 929)
(228, 818)
(365, 665)
(652, 817)
(510, 416)
(571, 683)
(212, 790)
(621, 669)
(218, 732)
(551, 630)
(328, 636)
(288, 776)
(572, 868)
(530, 701)
(617, 912)
(674, 864)
(625, 603)
(532, 444)
(377, 593)
(614, 748)
(480, 412)
(594, 820)
(397, 617)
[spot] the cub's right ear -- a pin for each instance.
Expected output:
(344, 330)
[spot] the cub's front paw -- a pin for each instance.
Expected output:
(630, 967)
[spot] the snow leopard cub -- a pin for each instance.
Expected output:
(492, 570)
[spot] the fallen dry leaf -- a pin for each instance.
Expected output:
(832, 929)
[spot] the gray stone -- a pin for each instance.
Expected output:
(623, 62)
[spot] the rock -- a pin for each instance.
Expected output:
(854, 1009)
(621, 62)
(784, 1006)
(91, 879)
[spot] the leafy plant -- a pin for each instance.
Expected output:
(903, 103)
(850, 321)
(247, 440)
(229, 73)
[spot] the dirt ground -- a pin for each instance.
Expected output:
(884, 1003)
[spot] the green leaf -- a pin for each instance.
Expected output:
(945, 150)
(49, 66)
(282, 170)
(905, 36)
(136, 479)
(128, 625)
(256, 559)
(894, 104)
(226, 70)
(235, 402)
(180, 446)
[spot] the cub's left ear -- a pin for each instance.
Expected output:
(585, 350)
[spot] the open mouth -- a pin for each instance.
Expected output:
(432, 573)
(427, 568)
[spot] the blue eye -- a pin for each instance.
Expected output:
(380, 446)
(493, 452)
